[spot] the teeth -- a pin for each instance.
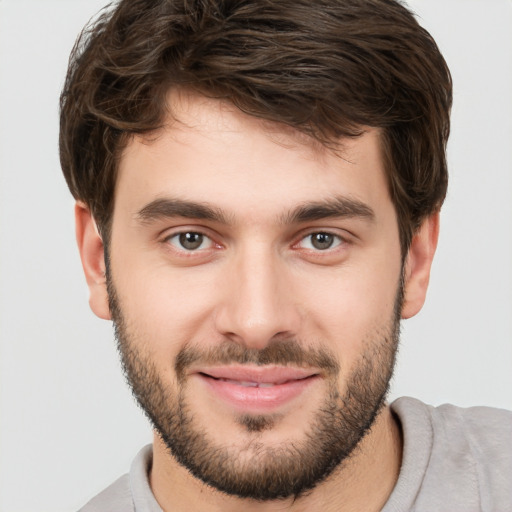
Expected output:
(246, 384)
(250, 384)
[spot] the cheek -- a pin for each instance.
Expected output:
(163, 305)
(351, 305)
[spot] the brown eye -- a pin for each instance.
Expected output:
(190, 241)
(322, 241)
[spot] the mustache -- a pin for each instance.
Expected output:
(278, 352)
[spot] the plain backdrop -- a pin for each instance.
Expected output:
(68, 425)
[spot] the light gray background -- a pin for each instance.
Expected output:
(68, 424)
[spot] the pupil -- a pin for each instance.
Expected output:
(322, 240)
(191, 240)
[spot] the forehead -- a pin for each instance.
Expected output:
(210, 151)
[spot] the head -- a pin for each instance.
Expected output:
(234, 133)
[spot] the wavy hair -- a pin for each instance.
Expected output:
(327, 68)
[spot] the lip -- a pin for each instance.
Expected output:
(256, 389)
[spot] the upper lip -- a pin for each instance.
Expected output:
(257, 374)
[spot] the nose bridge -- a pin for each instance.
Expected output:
(257, 305)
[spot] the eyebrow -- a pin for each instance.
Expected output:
(168, 207)
(336, 207)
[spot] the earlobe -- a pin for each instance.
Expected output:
(418, 264)
(92, 255)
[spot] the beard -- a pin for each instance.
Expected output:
(257, 470)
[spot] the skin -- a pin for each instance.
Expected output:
(257, 173)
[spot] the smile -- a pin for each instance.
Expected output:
(256, 389)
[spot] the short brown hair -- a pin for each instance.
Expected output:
(327, 68)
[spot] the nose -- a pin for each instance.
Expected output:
(257, 300)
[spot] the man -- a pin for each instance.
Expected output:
(258, 189)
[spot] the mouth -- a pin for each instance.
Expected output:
(256, 389)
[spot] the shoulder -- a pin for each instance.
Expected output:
(116, 497)
(486, 435)
(487, 431)
(455, 453)
(479, 421)
(131, 492)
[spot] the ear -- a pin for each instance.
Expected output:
(418, 263)
(92, 254)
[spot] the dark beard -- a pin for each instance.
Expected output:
(277, 472)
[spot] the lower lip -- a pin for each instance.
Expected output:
(257, 399)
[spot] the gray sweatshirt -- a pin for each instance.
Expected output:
(454, 460)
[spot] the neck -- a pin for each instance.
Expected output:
(364, 482)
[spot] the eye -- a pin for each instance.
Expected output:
(320, 241)
(190, 241)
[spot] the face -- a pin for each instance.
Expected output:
(255, 284)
